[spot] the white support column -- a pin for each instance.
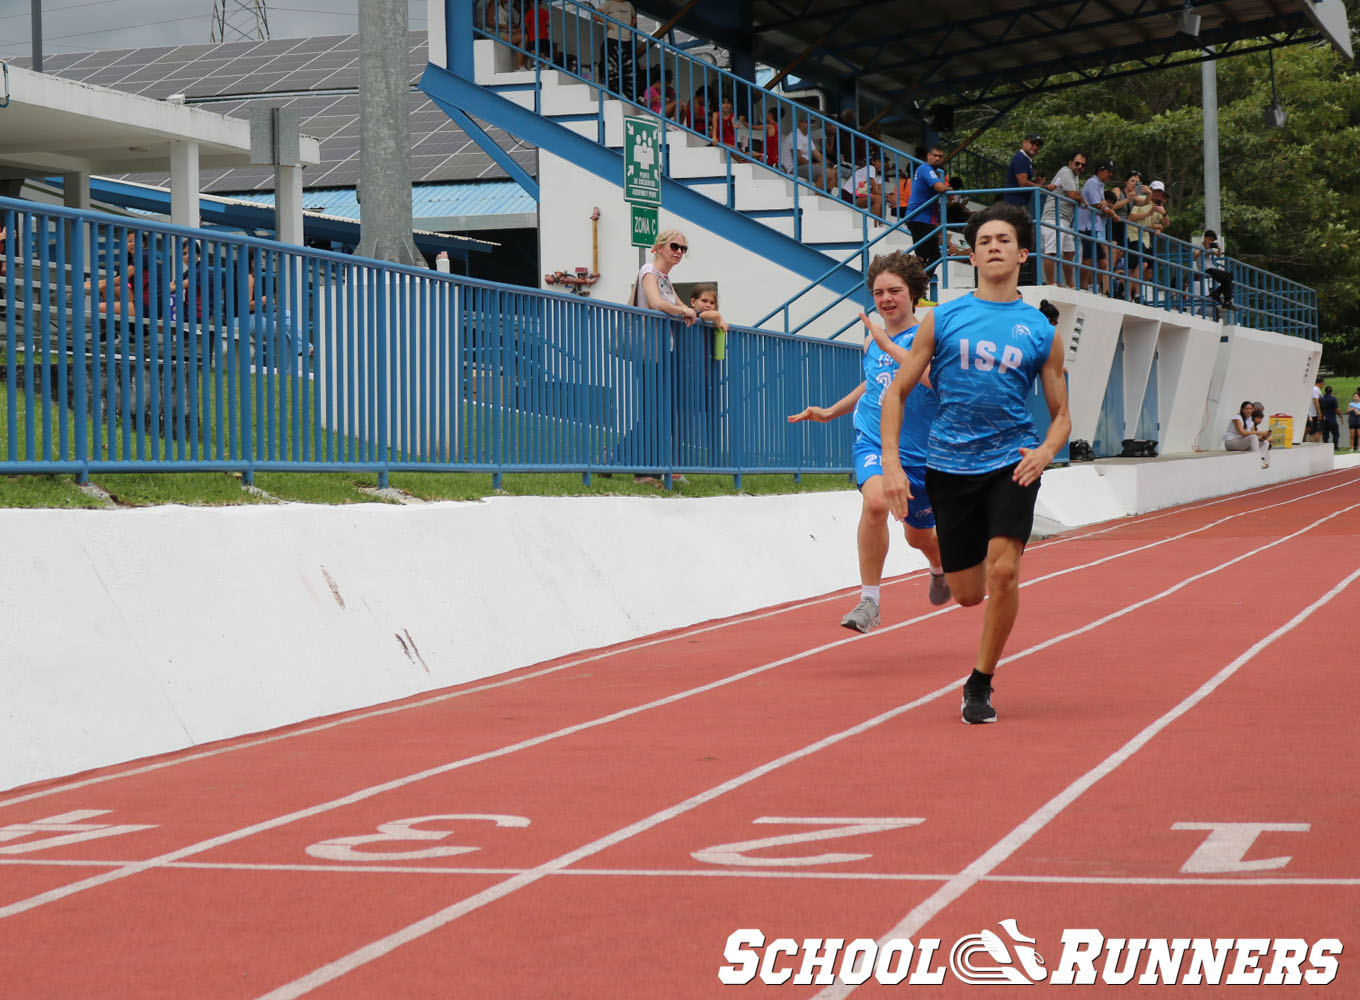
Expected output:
(75, 191)
(288, 204)
(184, 184)
(1213, 212)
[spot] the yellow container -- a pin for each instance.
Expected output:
(1281, 430)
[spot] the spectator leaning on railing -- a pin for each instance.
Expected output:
(1139, 240)
(1091, 223)
(1059, 221)
(923, 207)
(1020, 174)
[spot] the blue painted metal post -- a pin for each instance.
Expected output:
(458, 37)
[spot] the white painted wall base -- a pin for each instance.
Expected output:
(131, 633)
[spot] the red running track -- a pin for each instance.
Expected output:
(1175, 760)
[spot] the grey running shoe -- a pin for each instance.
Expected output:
(977, 705)
(939, 590)
(863, 617)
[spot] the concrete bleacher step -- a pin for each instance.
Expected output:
(821, 220)
(697, 161)
(569, 99)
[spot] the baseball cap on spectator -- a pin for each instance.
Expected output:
(1158, 186)
(1104, 165)
(1035, 137)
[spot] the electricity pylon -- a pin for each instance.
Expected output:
(239, 20)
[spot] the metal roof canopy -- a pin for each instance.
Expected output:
(972, 52)
(318, 77)
(51, 125)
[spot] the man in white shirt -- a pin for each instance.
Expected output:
(1058, 218)
(1314, 429)
(864, 190)
(798, 154)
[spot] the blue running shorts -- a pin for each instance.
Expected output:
(869, 463)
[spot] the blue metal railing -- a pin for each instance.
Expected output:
(149, 347)
(1152, 268)
(1141, 265)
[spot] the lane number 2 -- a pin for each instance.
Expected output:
(737, 852)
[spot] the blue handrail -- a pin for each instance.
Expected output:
(138, 346)
(1152, 268)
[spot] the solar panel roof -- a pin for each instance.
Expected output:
(318, 78)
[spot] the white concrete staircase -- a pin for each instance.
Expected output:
(828, 223)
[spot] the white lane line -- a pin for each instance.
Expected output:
(1142, 519)
(362, 716)
(383, 946)
(729, 873)
(62, 892)
(984, 865)
(377, 949)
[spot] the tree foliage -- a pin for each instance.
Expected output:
(1290, 197)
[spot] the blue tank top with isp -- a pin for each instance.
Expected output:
(987, 356)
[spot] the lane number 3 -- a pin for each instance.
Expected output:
(406, 831)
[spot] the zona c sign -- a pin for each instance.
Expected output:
(644, 226)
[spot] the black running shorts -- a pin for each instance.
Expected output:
(971, 510)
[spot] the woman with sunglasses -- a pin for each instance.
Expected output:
(653, 290)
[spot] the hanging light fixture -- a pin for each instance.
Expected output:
(1189, 21)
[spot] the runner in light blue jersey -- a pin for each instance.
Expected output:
(897, 281)
(984, 352)
(987, 356)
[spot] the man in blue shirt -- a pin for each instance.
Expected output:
(1020, 174)
(1091, 215)
(984, 459)
(923, 209)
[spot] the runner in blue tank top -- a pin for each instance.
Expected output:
(984, 352)
(897, 281)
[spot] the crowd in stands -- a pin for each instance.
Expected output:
(1111, 239)
(1094, 231)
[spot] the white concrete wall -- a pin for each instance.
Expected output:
(1204, 368)
(1276, 369)
(129, 633)
(132, 633)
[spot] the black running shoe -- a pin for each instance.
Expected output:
(977, 705)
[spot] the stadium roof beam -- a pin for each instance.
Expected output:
(974, 52)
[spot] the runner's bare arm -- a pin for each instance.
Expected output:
(896, 489)
(821, 414)
(1033, 461)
